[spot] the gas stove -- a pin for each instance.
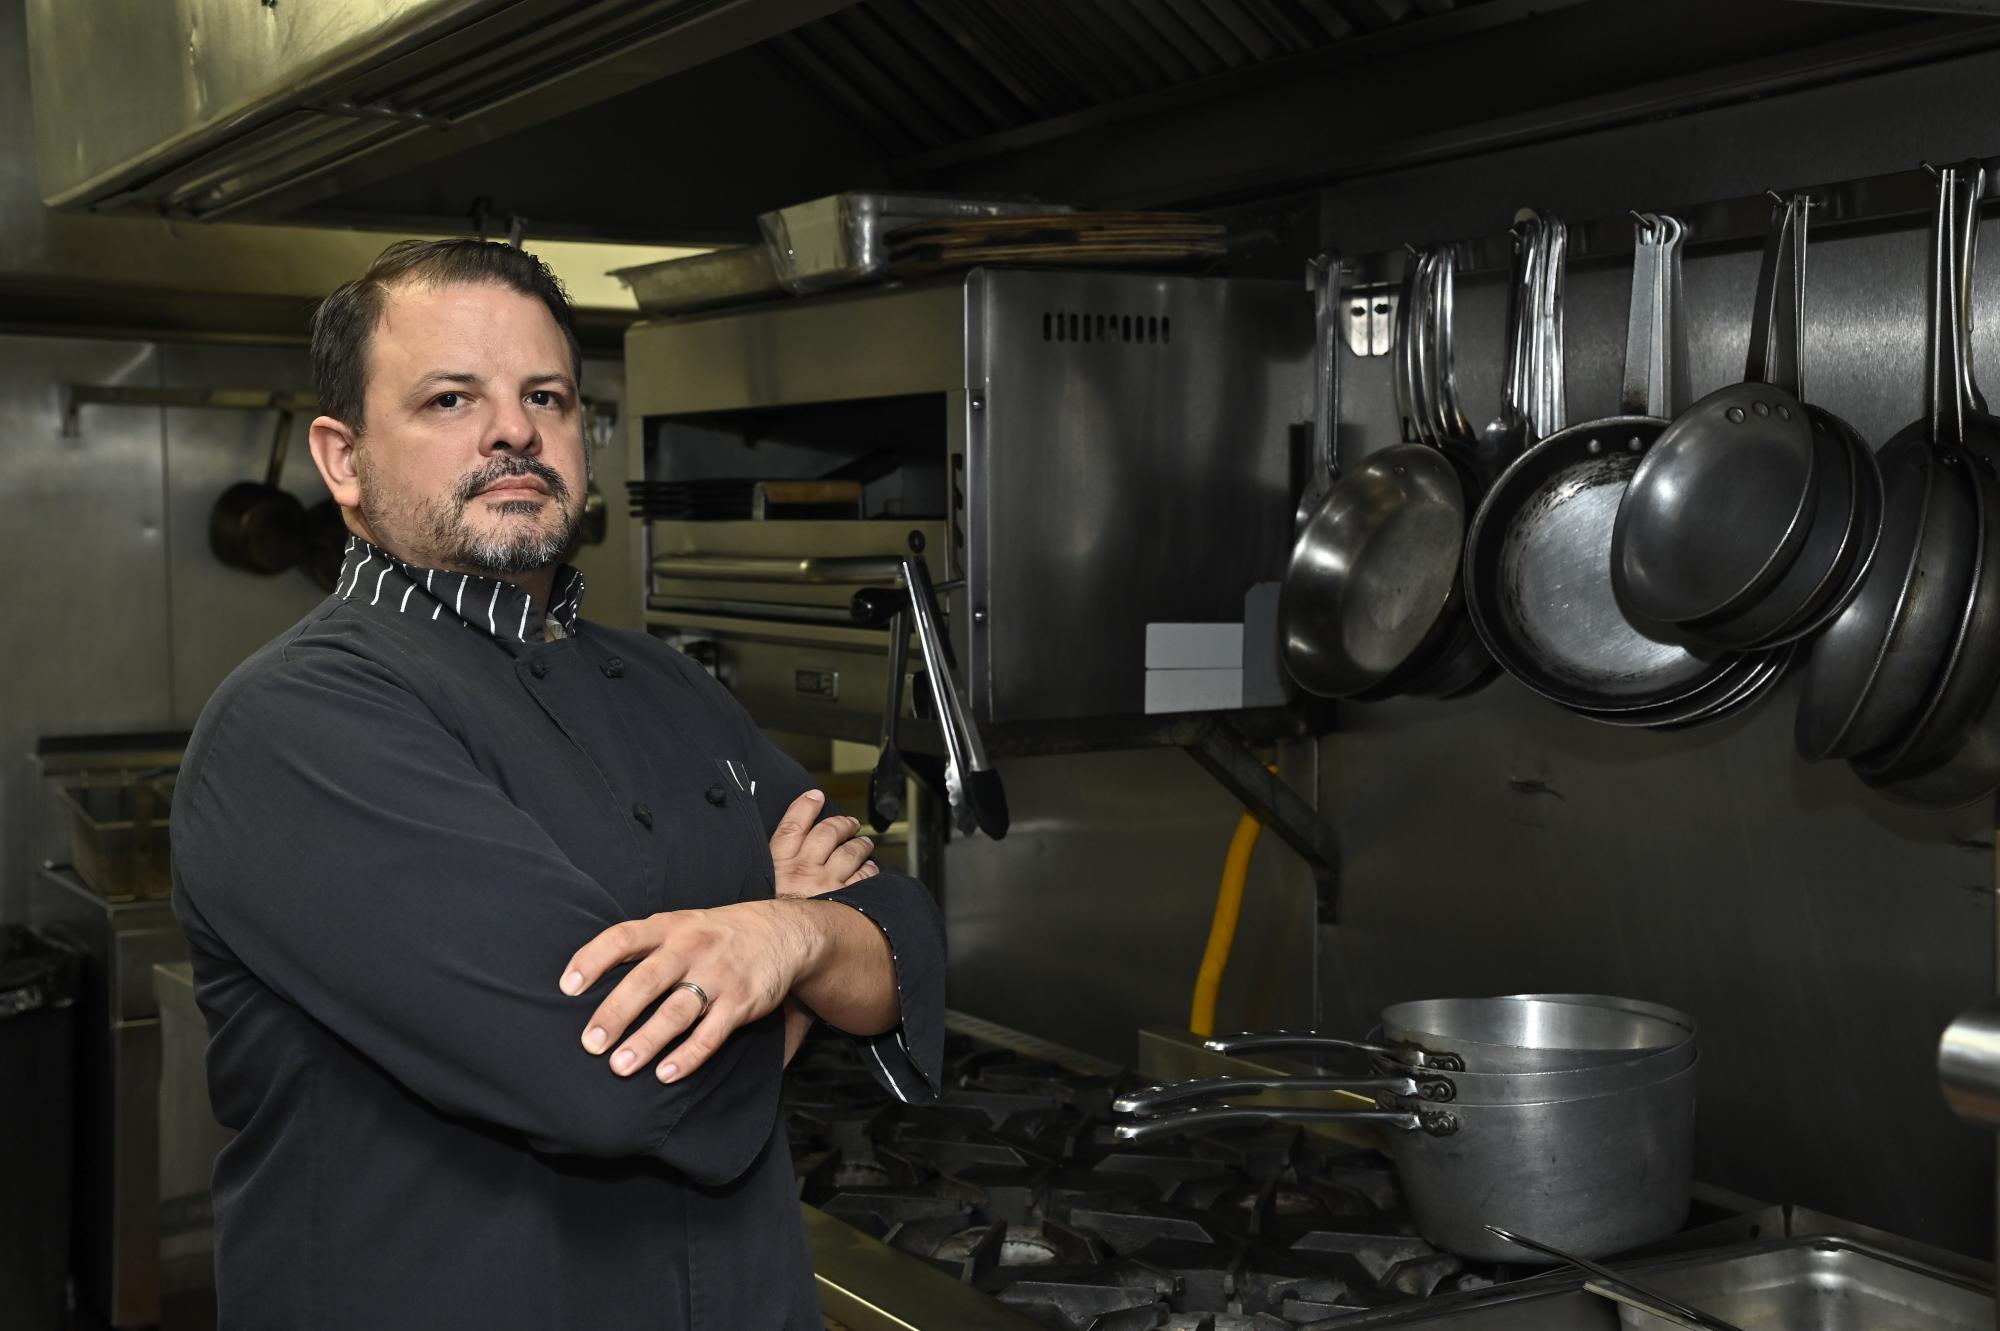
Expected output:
(1012, 1184)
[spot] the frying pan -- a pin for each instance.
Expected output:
(255, 525)
(1725, 500)
(1951, 755)
(1538, 565)
(1454, 662)
(1869, 675)
(1374, 571)
(1845, 522)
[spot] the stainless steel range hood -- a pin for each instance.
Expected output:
(204, 108)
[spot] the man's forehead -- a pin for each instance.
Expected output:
(484, 319)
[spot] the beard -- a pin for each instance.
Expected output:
(448, 540)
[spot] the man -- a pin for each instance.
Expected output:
(496, 914)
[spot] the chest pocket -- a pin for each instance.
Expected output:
(748, 853)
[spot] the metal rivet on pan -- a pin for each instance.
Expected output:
(1594, 447)
(1784, 412)
(1761, 408)
(1636, 444)
(1735, 414)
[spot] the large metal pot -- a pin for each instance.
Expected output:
(1594, 1174)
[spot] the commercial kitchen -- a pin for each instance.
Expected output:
(1418, 579)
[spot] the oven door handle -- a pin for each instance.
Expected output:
(804, 570)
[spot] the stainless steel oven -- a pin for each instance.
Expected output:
(1097, 470)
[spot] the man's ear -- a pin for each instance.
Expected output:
(333, 450)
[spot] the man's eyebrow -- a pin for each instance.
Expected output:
(439, 377)
(556, 377)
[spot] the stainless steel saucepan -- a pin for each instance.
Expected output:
(1595, 1174)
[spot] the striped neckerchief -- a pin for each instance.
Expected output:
(371, 576)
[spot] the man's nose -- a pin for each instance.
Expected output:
(511, 430)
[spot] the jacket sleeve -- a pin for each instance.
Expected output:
(909, 1060)
(333, 836)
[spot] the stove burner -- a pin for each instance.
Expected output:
(1019, 1246)
(1012, 1183)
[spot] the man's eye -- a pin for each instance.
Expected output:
(447, 400)
(543, 397)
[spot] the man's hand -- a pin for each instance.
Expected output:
(814, 859)
(748, 958)
(745, 957)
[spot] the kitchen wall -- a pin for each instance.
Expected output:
(1822, 936)
(119, 618)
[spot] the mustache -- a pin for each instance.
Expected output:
(501, 469)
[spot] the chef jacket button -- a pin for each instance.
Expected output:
(539, 669)
(643, 814)
(613, 669)
(716, 794)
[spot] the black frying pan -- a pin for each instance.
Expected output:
(1951, 755)
(1871, 673)
(255, 525)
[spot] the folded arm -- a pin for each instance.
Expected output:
(338, 841)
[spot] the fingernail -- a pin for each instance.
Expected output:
(594, 1041)
(573, 983)
(669, 1071)
(624, 1061)
(816, 796)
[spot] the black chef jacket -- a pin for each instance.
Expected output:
(393, 826)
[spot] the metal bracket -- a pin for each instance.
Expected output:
(1368, 317)
(1276, 805)
(233, 399)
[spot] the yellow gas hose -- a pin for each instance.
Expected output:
(1222, 929)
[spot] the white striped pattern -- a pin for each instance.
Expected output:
(563, 614)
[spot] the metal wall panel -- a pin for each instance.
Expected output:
(1089, 919)
(222, 614)
(85, 603)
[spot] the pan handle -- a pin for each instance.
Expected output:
(1312, 1042)
(1436, 1122)
(1155, 1098)
(1774, 332)
(1323, 280)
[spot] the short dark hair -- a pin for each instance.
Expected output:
(345, 321)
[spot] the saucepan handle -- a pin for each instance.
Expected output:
(1155, 1098)
(1436, 1122)
(1312, 1042)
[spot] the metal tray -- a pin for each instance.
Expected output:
(1794, 1284)
(1820, 1285)
(703, 281)
(841, 239)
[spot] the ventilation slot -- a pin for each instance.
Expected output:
(1080, 326)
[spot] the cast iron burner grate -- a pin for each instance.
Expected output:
(1013, 1183)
